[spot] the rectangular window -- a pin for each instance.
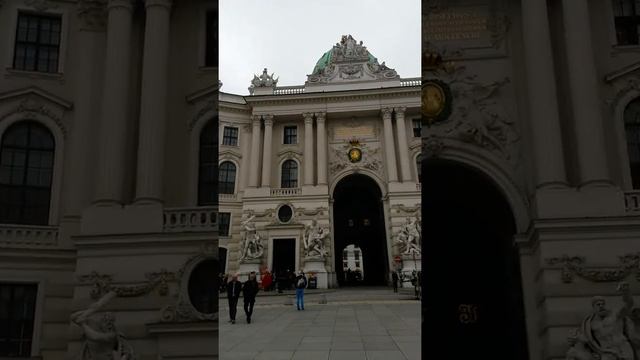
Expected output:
(627, 20)
(17, 313)
(417, 128)
(211, 41)
(230, 136)
(290, 134)
(37, 44)
(224, 221)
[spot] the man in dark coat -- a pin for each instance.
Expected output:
(233, 293)
(249, 292)
(300, 283)
(394, 279)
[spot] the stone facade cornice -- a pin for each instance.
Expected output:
(352, 95)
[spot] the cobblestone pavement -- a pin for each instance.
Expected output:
(355, 324)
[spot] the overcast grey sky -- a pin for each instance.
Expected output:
(289, 36)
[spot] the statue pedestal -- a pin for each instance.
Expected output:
(316, 265)
(247, 266)
(408, 263)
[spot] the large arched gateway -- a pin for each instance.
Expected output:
(472, 285)
(359, 232)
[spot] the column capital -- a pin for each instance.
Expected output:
(268, 120)
(386, 112)
(321, 116)
(400, 110)
(255, 119)
(160, 3)
(92, 14)
(308, 117)
(126, 4)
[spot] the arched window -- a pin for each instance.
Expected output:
(632, 130)
(26, 172)
(227, 179)
(207, 195)
(419, 167)
(289, 177)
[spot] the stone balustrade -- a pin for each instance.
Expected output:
(286, 192)
(289, 90)
(411, 82)
(227, 197)
(28, 235)
(190, 219)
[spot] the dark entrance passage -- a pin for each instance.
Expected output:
(358, 222)
(472, 304)
(284, 255)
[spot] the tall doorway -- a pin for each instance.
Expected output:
(359, 232)
(472, 304)
(284, 255)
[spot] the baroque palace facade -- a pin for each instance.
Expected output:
(108, 205)
(322, 177)
(532, 109)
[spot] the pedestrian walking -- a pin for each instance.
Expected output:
(301, 284)
(394, 279)
(233, 293)
(249, 292)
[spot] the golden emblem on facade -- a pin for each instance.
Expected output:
(354, 154)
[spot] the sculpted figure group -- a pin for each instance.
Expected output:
(608, 334)
(314, 240)
(252, 245)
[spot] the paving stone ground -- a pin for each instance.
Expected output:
(355, 324)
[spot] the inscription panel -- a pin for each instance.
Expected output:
(348, 132)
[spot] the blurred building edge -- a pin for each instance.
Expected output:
(108, 121)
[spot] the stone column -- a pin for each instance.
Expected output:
(583, 81)
(389, 147)
(115, 104)
(403, 147)
(322, 148)
(255, 152)
(308, 148)
(543, 102)
(245, 145)
(92, 23)
(153, 109)
(266, 153)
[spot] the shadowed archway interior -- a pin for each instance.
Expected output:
(472, 304)
(358, 220)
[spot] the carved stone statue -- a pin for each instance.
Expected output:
(409, 237)
(252, 245)
(264, 80)
(102, 340)
(314, 240)
(607, 334)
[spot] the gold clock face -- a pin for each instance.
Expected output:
(355, 155)
(433, 100)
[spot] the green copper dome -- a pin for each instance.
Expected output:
(325, 60)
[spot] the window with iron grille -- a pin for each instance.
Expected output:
(627, 21)
(227, 178)
(17, 313)
(417, 127)
(37, 44)
(208, 167)
(289, 174)
(224, 222)
(230, 136)
(26, 171)
(290, 135)
(211, 45)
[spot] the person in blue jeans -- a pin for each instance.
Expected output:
(301, 283)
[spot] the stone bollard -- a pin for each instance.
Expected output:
(288, 300)
(323, 299)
